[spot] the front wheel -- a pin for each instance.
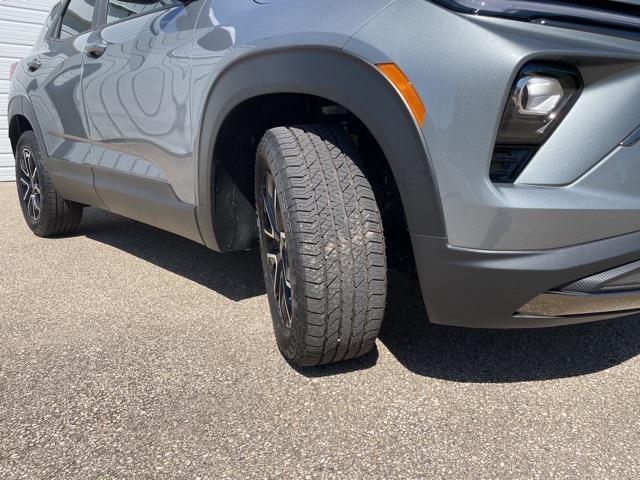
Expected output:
(322, 244)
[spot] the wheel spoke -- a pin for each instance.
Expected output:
(278, 218)
(284, 304)
(285, 275)
(23, 164)
(285, 294)
(270, 198)
(27, 189)
(277, 279)
(285, 260)
(270, 229)
(36, 207)
(30, 207)
(29, 161)
(273, 259)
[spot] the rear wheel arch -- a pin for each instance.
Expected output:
(327, 74)
(22, 118)
(18, 124)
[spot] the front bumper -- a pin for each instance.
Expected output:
(491, 289)
(573, 210)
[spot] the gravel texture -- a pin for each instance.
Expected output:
(127, 352)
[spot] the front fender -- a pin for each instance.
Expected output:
(341, 78)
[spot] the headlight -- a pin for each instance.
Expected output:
(541, 96)
(619, 14)
(538, 95)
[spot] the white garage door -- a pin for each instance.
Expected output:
(20, 23)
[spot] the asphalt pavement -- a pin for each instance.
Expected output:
(128, 352)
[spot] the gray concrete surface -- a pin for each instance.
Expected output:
(127, 352)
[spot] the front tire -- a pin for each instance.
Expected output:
(44, 210)
(322, 244)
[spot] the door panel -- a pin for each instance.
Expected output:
(136, 92)
(54, 85)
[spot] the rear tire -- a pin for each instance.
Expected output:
(44, 210)
(322, 244)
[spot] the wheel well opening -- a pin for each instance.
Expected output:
(18, 125)
(234, 163)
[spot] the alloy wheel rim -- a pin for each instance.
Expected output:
(275, 241)
(30, 184)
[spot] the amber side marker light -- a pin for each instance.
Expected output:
(406, 89)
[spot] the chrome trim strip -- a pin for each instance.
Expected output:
(632, 139)
(600, 282)
(563, 304)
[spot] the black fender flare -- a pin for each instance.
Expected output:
(20, 105)
(341, 78)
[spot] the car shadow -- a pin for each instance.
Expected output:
(448, 353)
(237, 275)
(499, 356)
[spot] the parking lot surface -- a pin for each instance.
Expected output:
(127, 352)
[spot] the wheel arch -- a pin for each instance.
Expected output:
(342, 79)
(22, 117)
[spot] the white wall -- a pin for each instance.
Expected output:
(20, 23)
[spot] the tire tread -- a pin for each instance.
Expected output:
(338, 237)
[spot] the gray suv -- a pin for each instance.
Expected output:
(492, 147)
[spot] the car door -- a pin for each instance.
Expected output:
(136, 86)
(54, 72)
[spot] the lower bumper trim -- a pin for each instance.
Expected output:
(565, 304)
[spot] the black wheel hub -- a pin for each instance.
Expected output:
(30, 184)
(275, 243)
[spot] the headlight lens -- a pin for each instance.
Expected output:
(541, 96)
(621, 15)
(537, 95)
